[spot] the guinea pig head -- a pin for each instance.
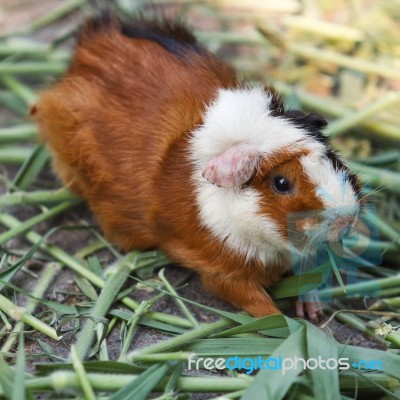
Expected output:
(256, 165)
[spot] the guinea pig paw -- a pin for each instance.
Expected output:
(311, 309)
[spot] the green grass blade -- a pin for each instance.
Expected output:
(31, 168)
(272, 384)
(325, 381)
(141, 386)
(19, 377)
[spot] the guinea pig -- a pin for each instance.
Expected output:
(172, 151)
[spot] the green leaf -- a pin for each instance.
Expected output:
(6, 378)
(86, 287)
(272, 325)
(140, 387)
(273, 384)
(296, 285)
(19, 377)
(228, 347)
(325, 381)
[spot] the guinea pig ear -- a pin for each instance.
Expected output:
(233, 168)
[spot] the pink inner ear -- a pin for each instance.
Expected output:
(232, 168)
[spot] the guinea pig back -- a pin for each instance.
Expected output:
(172, 151)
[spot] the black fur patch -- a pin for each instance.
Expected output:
(311, 123)
(276, 106)
(173, 36)
(339, 165)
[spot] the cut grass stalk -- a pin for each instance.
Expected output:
(31, 222)
(13, 154)
(362, 287)
(377, 177)
(393, 337)
(49, 272)
(104, 302)
(133, 322)
(334, 108)
(11, 102)
(25, 132)
(90, 249)
(356, 323)
(180, 303)
(384, 228)
(19, 89)
(320, 56)
(384, 303)
(23, 46)
(63, 380)
(6, 323)
(353, 119)
(326, 29)
(59, 12)
(82, 376)
(20, 314)
(38, 197)
(32, 68)
(72, 263)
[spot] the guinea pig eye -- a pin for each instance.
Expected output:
(281, 185)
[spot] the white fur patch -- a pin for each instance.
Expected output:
(232, 216)
(332, 188)
(242, 117)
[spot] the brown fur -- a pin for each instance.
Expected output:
(118, 126)
(277, 206)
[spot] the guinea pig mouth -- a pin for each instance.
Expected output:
(341, 228)
(315, 228)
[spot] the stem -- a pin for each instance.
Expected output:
(20, 314)
(323, 28)
(50, 271)
(333, 108)
(104, 302)
(26, 225)
(20, 90)
(82, 376)
(180, 303)
(59, 12)
(362, 287)
(320, 56)
(13, 154)
(37, 197)
(72, 263)
(62, 380)
(32, 68)
(351, 120)
(25, 132)
(378, 176)
(356, 323)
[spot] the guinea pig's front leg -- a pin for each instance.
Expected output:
(245, 294)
